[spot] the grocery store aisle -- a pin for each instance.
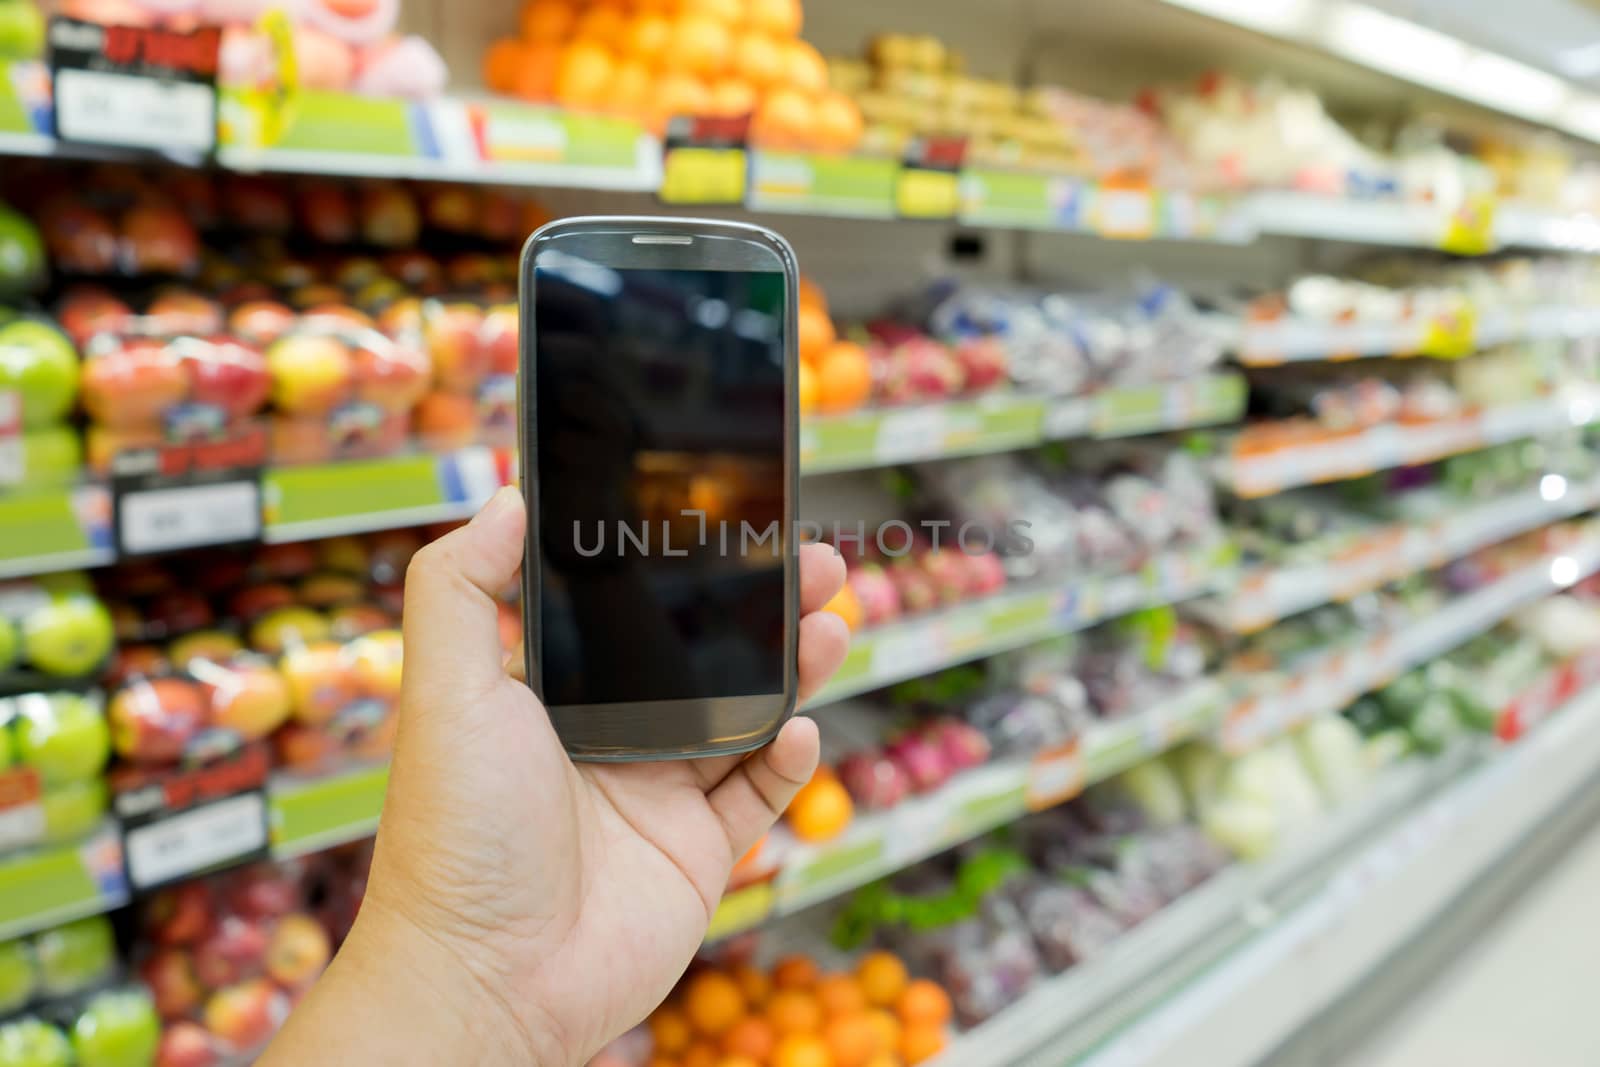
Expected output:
(1525, 994)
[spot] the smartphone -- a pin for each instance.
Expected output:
(660, 464)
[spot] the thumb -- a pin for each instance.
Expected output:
(452, 637)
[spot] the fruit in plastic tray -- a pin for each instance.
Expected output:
(375, 664)
(154, 719)
(962, 746)
(232, 950)
(34, 1043)
(453, 337)
(158, 239)
(177, 611)
(75, 956)
(39, 362)
(261, 322)
(169, 974)
(923, 761)
(311, 373)
(874, 780)
(320, 680)
(875, 591)
(298, 952)
(185, 1044)
(182, 312)
(118, 1028)
(180, 915)
(1067, 924)
(132, 382)
(225, 374)
(250, 699)
(63, 735)
(389, 376)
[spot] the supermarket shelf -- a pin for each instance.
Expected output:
(1335, 678)
(54, 530)
(1266, 594)
(1353, 455)
(1002, 422)
(311, 814)
(1370, 908)
(1268, 344)
(876, 845)
(1069, 1013)
(47, 886)
(892, 653)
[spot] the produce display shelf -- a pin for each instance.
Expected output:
(1004, 421)
(308, 815)
(1391, 890)
(1340, 457)
(1294, 340)
(1067, 1014)
(1329, 681)
(55, 530)
(972, 803)
(53, 884)
(1266, 594)
(896, 651)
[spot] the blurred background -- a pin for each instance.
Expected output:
(1275, 320)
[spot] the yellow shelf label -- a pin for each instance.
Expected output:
(927, 194)
(694, 175)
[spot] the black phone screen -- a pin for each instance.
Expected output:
(659, 429)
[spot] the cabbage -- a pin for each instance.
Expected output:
(1330, 748)
(1155, 789)
(1201, 768)
(1249, 831)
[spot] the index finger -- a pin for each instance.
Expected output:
(821, 576)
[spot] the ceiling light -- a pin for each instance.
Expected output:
(1283, 17)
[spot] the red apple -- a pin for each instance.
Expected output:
(236, 949)
(391, 376)
(158, 239)
(299, 951)
(254, 601)
(178, 611)
(311, 374)
(336, 317)
(947, 569)
(258, 204)
(293, 560)
(88, 311)
(402, 318)
(180, 311)
(136, 661)
(326, 213)
(986, 573)
(227, 375)
(304, 748)
(264, 891)
(962, 745)
(134, 383)
(452, 334)
(922, 761)
(320, 681)
(874, 780)
(154, 719)
(447, 421)
(79, 238)
(261, 322)
(499, 336)
(170, 976)
(500, 218)
(180, 915)
(984, 362)
(185, 1044)
(247, 1014)
(876, 592)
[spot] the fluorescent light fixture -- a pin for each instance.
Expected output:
(1396, 45)
(1283, 17)
(1582, 62)
(1563, 571)
(1515, 87)
(1552, 487)
(1581, 116)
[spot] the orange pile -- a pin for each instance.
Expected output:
(653, 59)
(835, 375)
(796, 1016)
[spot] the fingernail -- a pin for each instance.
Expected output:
(505, 501)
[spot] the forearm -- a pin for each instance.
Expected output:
(391, 998)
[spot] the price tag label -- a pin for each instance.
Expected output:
(706, 160)
(1125, 214)
(907, 435)
(905, 653)
(1469, 229)
(1068, 418)
(929, 183)
(1056, 775)
(164, 520)
(195, 840)
(135, 86)
(21, 813)
(11, 458)
(740, 910)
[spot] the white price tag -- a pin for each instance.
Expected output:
(905, 435)
(1067, 418)
(188, 516)
(917, 649)
(1056, 775)
(21, 826)
(102, 107)
(1125, 212)
(196, 840)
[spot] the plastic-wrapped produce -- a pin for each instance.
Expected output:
(1068, 924)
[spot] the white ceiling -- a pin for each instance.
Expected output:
(1560, 36)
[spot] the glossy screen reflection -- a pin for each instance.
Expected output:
(659, 393)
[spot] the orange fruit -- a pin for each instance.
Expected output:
(646, 36)
(699, 44)
(738, 1061)
(752, 1037)
(845, 605)
(923, 1003)
(669, 1030)
(536, 77)
(821, 810)
(583, 78)
(757, 57)
(793, 1011)
(753, 982)
(630, 88)
(839, 994)
(838, 122)
(844, 377)
(605, 24)
(501, 63)
(778, 17)
(701, 1054)
(784, 119)
(883, 978)
(816, 332)
(804, 67)
(795, 972)
(713, 1002)
(548, 20)
(677, 93)
(811, 295)
(730, 12)
(886, 1029)
(919, 1043)
(732, 96)
(808, 388)
(851, 1039)
(884, 1059)
(662, 1061)
(801, 1050)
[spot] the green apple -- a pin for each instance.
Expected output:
(37, 360)
(72, 810)
(64, 583)
(18, 975)
(117, 1029)
(33, 1043)
(8, 747)
(51, 456)
(69, 636)
(21, 30)
(63, 735)
(10, 644)
(75, 956)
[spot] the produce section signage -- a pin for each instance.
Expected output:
(706, 160)
(188, 495)
(178, 823)
(135, 86)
